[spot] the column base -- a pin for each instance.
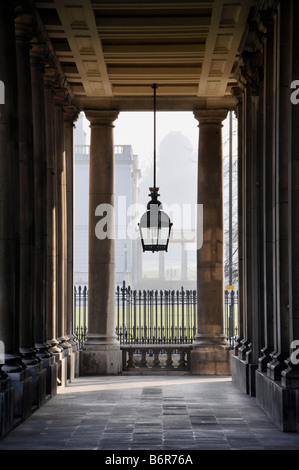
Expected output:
(22, 383)
(51, 375)
(243, 375)
(210, 360)
(73, 365)
(60, 358)
(50, 368)
(38, 374)
(6, 405)
(100, 358)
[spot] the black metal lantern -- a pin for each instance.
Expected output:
(155, 225)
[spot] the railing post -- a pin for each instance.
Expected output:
(135, 316)
(123, 290)
(183, 313)
(169, 361)
(143, 363)
(182, 362)
(144, 315)
(130, 363)
(85, 296)
(156, 362)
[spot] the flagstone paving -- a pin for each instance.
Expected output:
(150, 413)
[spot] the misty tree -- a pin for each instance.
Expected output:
(226, 201)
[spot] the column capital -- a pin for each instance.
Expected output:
(70, 114)
(101, 117)
(210, 116)
(24, 26)
(38, 55)
(60, 97)
(238, 93)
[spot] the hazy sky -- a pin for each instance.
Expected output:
(137, 129)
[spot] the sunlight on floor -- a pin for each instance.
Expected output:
(93, 384)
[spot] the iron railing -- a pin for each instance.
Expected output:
(231, 306)
(154, 316)
(80, 314)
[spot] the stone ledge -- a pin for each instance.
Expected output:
(210, 360)
(243, 375)
(97, 362)
(279, 403)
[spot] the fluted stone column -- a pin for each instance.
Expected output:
(9, 154)
(51, 236)
(27, 215)
(37, 60)
(238, 92)
(9, 179)
(70, 115)
(210, 354)
(290, 376)
(282, 196)
(61, 233)
(101, 353)
(268, 188)
(23, 25)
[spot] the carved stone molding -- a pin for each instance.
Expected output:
(252, 71)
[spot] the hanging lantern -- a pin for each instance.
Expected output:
(155, 225)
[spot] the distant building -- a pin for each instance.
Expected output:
(127, 176)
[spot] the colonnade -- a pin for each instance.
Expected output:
(37, 122)
(36, 212)
(210, 354)
(262, 362)
(36, 230)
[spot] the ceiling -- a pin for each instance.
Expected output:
(115, 48)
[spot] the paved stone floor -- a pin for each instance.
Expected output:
(150, 413)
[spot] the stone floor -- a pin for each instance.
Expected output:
(150, 413)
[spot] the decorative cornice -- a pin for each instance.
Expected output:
(24, 26)
(70, 113)
(43, 38)
(252, 71)
(238, 93)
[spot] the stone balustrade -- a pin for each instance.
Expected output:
(152, 358)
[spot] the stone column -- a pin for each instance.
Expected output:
(61, 247)
(23, 26)
(9, 181)
(268, 189)
(70, 115)
(238, 92)
(50, 248)
(290, 376)
(210, 354)
(37, 59)
(27, 215)
(101, 353)
(9, 184)
(51, 234)
(283, 151)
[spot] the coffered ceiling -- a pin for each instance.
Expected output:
(119, 48)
